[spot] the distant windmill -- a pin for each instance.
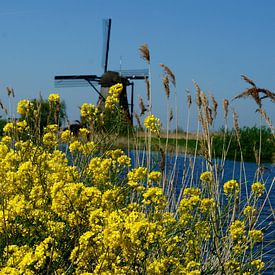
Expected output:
(108, 78)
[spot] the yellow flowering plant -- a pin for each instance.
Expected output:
(92, 208)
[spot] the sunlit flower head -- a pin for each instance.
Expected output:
(54, 98)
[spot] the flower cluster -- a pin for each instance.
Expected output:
(24, 106)
(153, 124)
(113, 98)
(258, 188)
(54, 98)
(89, 210)
(231, 187)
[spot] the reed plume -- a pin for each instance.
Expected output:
(171, 115)
(10, 91)
(225, 108)
(165, 81)
(138, 121)
(255, 93)
(215, 106)
(145, 53)
(147, 82)
(267, 119)
(248, 80)
(189, 100)
(141, 106)
(169, 73)
(236, 126)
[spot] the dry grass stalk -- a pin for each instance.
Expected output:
(198, 94)
(147, 88)
(165, 82)
(141, 106)
(171, 115)
(248, 80)
(236, 125)
(10, 91)
(208, 114)
(169, 73)
(255, 93)
(145, 53)
(3, 107)
(189, 100)
(225, 108)
(266, 118)
(215, 106)
(138, 121)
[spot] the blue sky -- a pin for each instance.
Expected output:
(212, 42)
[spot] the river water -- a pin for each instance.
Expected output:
(186, 169)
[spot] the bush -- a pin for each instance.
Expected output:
(250, 140)
(91, 211)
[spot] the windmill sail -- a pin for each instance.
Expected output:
(106, 42)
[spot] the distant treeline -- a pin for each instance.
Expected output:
(248, 146)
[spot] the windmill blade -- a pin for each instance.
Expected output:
(135, 74)
(75, 80)
(106, 42)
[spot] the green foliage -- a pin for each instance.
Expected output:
(250, 139)
(45, 114)
(2, 124)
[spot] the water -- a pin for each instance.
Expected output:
(242, 172)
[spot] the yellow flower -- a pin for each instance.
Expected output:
(258, 264)
(89, 112)
(74, 146)
(50, 139)
(24, 106)
(258, 188)
(153, 124)
(207, 204)
(207, 177)
(237, 229)
(9, 127)
(231, 186)
(111, 102)
(249, 211)
(66, 136)
(256, 235)
(154, 176)
(115, 90)
(54, 98)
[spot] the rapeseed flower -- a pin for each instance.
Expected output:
(153, 124)
(258, 189)
(54, 98)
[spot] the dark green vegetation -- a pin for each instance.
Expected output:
(248, 146)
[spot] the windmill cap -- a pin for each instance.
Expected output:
(111, 78)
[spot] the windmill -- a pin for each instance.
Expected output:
(107, 79)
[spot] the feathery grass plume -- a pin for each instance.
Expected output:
(267, 119)
(255, 93)
(138, 121)
(141, 106)
(147, 82)
(225, 108)
(198, 94)
(215, 106)
(208, 114)
(165, 81)
(169, 73)
(171, 115)
(248, 80)
(10, 91)
(189, 100)
(145, 53)
(1, 105)
(236, 125)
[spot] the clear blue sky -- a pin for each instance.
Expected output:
(212, 42)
